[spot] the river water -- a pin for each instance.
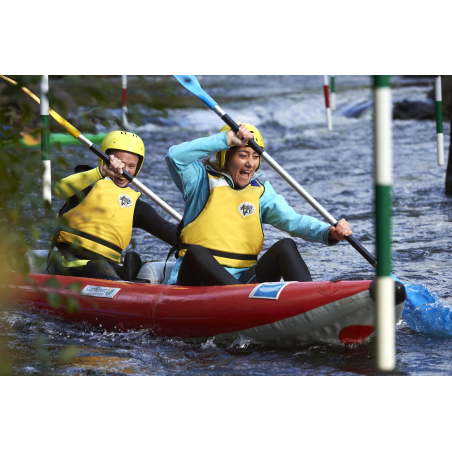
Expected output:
(336, 168)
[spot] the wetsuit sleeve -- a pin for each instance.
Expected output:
(181, 159)
(69, 186)
(276, 211)
(146, 217)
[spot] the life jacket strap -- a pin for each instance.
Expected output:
(93, 238)
(242, 257)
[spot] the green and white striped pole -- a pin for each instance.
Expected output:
(333, 92)
(45, 141)
(385, 290)
(439, 120)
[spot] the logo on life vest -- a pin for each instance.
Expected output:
(125, 201)
(246, 208)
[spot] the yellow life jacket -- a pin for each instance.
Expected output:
(229, 224)
(101, 222)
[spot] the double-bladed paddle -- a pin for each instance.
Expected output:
(93, 148)
(191, 83)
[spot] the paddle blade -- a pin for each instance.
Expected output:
(425, 312)
(191, 83)
(69, 127)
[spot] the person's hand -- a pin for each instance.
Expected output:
(240, 138)
(341, 231)
(113, 168)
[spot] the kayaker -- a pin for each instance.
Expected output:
(95, 223)
(225, 206)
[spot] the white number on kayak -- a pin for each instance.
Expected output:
(246, 208)
(100, 292)
(269, 290)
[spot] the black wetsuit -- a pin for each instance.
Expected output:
(200, 268)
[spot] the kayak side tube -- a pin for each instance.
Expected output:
(282, 314)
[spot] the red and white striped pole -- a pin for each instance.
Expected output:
(327, 103)
(124, 101)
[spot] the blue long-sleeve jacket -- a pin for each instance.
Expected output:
(191, 179)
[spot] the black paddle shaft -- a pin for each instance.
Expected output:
(106, 159)
(353, 242)
(235, 127)
(361, 250)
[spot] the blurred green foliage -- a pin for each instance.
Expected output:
(86, 102)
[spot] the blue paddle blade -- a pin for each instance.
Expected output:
(425, 312)
(191, 83)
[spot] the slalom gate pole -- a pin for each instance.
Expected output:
(327, 103)
(439, 120)
(124, 101)
(333, 93)
(98, 151)
(45, 141)
(385, 289)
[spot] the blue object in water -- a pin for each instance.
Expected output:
(426, 313)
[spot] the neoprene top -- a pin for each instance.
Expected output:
(145, 216)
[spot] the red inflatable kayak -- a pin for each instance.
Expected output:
(282, 314)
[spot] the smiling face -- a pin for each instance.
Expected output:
(242, 165)
(130, 161)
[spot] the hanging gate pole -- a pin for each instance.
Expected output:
(45, 141)
(439, 120)
(385, 290)
(124, 101)
(333, 93)
(327, 103)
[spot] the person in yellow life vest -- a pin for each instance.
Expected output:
(95, 223)
(225, 207)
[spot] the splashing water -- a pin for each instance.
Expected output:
(426, 313)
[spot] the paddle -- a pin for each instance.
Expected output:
(191, 83)
(93, 148)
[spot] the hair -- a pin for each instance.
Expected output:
(212, 160)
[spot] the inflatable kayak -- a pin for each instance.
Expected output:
(281, 314)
